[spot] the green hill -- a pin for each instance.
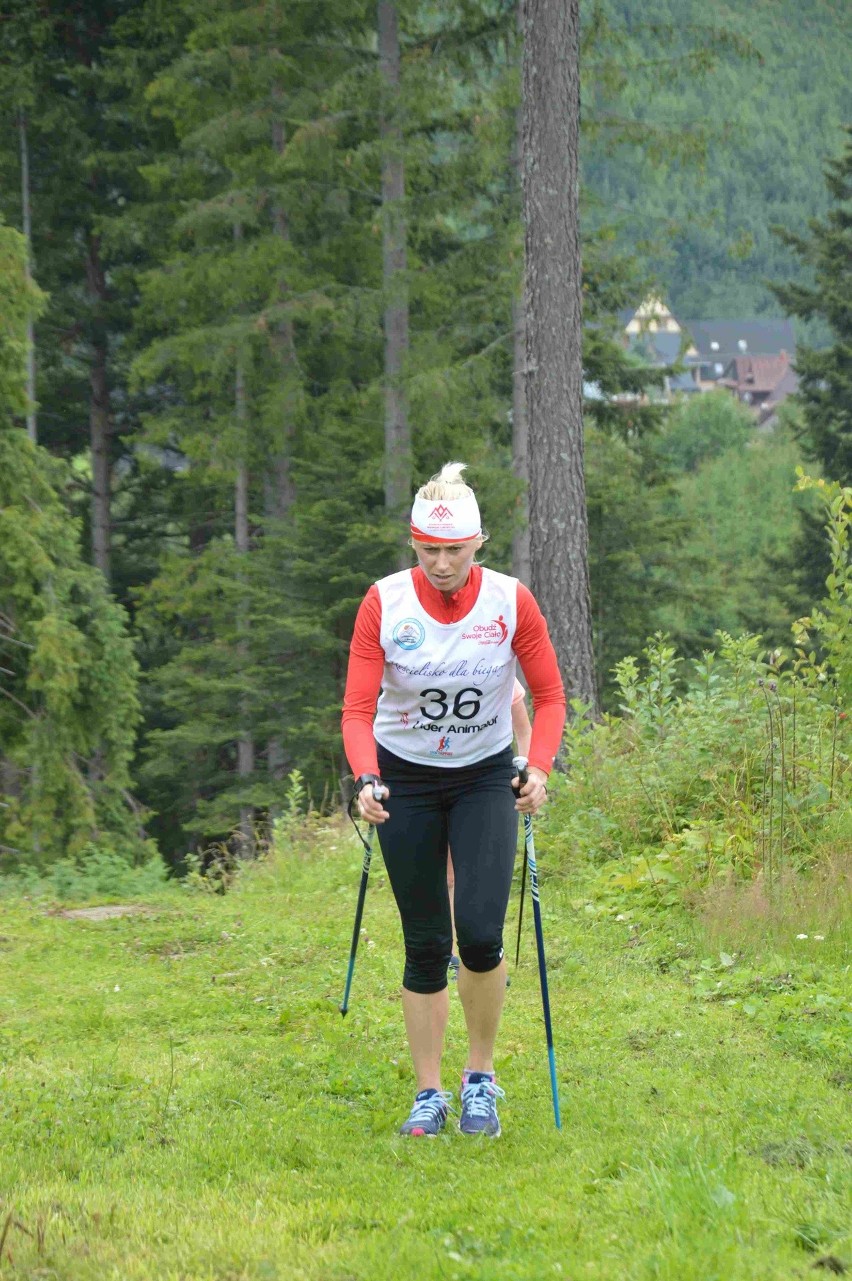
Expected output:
(771, 122)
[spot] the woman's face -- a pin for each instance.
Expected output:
(447, 565)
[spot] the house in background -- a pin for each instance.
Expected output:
(716, 343)
(760, 382)
(654, 335)
(751, 359)
(768, 413)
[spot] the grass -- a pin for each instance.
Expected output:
(180, 1098)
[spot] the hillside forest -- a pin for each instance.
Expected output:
(194, 224)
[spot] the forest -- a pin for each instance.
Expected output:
(207, 208)
(265, 267)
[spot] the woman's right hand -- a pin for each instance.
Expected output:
(371, 809)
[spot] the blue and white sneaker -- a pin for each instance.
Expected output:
(428, 1115)
(479, 1095)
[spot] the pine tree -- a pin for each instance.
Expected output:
(61, 81)
(68, 706)
(238, 329)
(825, 373)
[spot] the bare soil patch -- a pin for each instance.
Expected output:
(105, 913)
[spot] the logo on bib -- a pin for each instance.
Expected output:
(409, 633)
(493, 633)
(440, 512)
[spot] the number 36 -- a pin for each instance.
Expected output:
(464, 709)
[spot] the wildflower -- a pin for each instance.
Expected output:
(621, 917)
(773, 685)
(116, 988)
(801, 936)
(820, 938)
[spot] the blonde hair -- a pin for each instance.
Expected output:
(446, 484)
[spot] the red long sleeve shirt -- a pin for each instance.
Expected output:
(531, 644)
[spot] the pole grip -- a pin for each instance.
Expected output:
(519, 764)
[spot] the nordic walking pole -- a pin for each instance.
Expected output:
(378, 793)
(520, 765)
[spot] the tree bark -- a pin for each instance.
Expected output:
(32, 427)
(279, 489)
(398, 461)
(245, 738)
(521, 565)
(554, 366)
(100, 414)
(520, 430)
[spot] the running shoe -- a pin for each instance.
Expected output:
(479, 1095)
(428, 1115)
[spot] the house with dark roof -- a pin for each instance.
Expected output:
(752, 359)
(715, 343)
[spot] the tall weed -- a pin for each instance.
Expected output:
(734, 773)
(733, 770)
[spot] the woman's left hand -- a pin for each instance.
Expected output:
(533, 794)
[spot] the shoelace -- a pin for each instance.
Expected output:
(431, 1109)
(477, 1098)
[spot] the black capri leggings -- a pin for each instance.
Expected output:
(471, 808)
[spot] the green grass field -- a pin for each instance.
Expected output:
(181, 1098)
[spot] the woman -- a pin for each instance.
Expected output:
(427, 716)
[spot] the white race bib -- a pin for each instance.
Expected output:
(447, 687)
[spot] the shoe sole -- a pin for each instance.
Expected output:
(480, 1134)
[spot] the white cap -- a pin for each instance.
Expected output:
(452, 520)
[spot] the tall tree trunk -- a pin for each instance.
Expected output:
(245, 738)
(32, 429)
(521, 567)
(100, 413)
(520, 430)
(398, 461)
(279, 489)
(554, 370)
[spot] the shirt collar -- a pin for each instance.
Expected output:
(436, 604)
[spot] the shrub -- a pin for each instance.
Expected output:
(733, 772)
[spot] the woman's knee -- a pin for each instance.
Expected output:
(481, 956)
(426, 964)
